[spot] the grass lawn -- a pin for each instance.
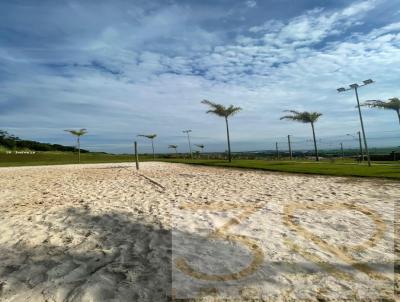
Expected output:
(339, 168)
(61, 158)
(323, 168)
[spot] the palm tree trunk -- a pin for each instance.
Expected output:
(229, 142)
(315, 142)
(79, 150)
(152, 146)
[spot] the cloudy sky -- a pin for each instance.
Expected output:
(120, 68)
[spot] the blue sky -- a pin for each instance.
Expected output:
(120, 68)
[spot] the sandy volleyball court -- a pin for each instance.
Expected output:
(108, 233)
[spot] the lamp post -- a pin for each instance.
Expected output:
(355, 86)
(188, 137)
(360, 143)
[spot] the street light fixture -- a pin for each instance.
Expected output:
(355, 86)
(188, 137)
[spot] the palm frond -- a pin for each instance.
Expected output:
(221, 110)
(149, 136)
(79, 132)
(173, 146)
(314, 116)
(292, 111)
(209, 103)
(303, 117)
(391, 104)
(288, 117)
(232, 110)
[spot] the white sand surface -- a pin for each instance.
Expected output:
(106, 232)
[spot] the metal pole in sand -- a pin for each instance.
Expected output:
(136, 157)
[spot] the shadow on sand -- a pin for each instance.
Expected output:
(107, 257)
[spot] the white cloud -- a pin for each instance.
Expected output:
(359, 8)
(251, 3)
(268, 26)
(313, 26)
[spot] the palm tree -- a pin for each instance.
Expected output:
(225, 112)
(201, 146)
(174, 147)
(390, 104)
(305, 117)
(151, 137)
(78, 134)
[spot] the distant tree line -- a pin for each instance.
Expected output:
(12, 142)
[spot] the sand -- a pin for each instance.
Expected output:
(106, 232)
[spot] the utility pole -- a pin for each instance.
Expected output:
(355, 86)
(188, 137)
(277, 150)
(290, 147)
(341, 148)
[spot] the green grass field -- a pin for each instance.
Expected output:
(339, 168)
(62, 158)
(322, 168)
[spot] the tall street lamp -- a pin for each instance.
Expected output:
(355, 86)
(188, 137)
